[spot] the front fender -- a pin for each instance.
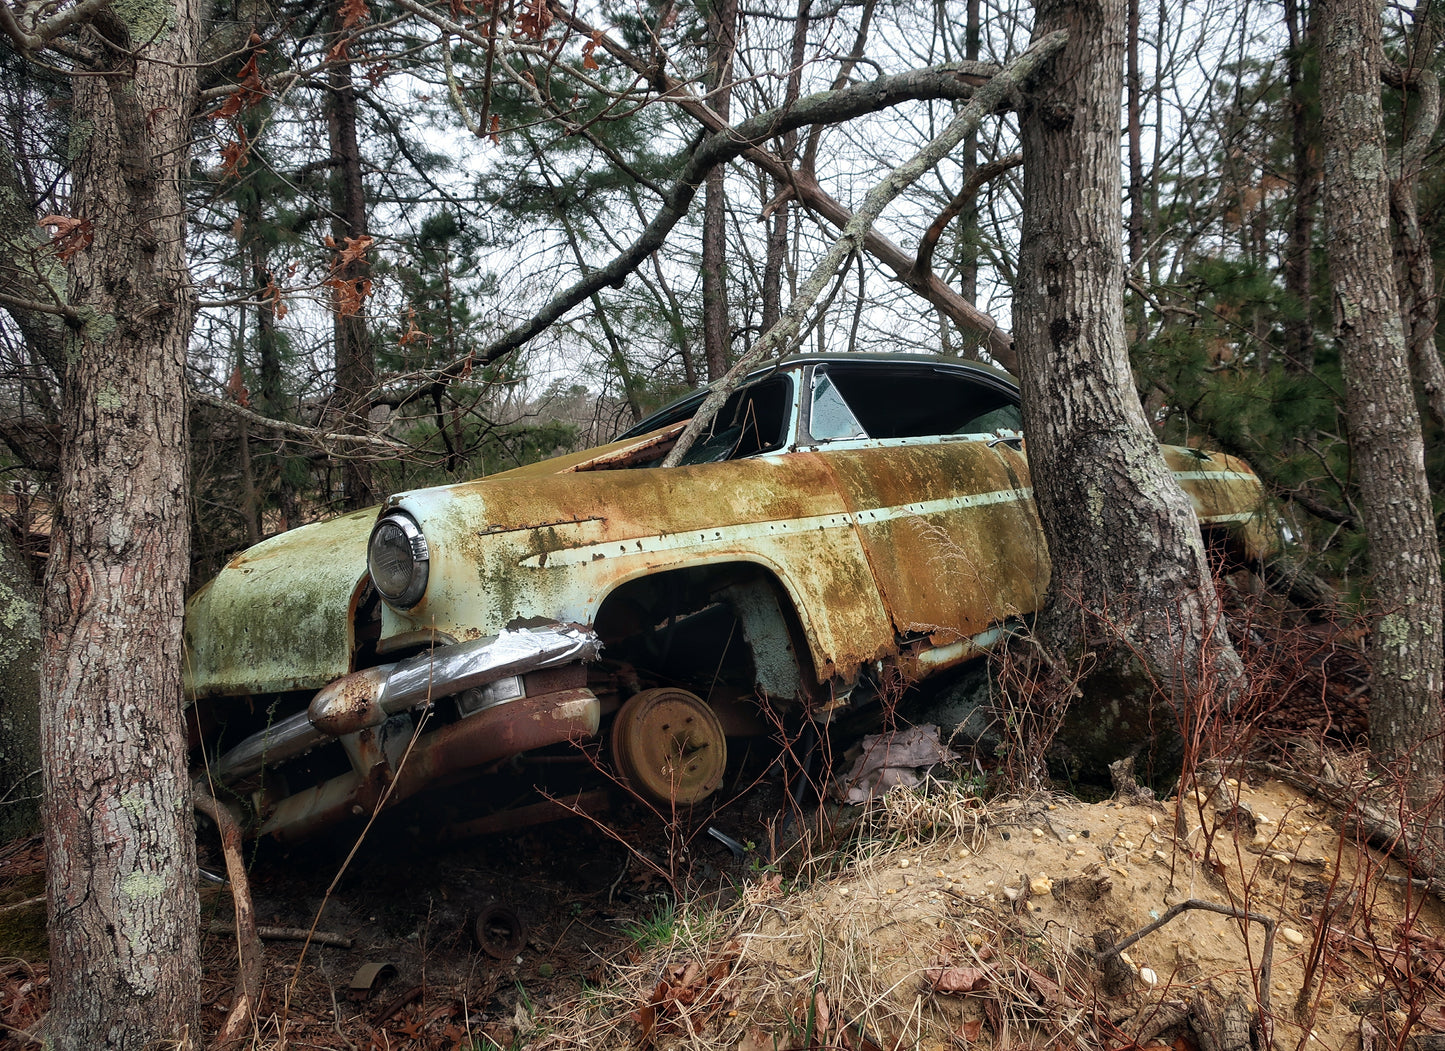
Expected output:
(279, 616)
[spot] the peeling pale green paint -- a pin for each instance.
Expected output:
(141, 885)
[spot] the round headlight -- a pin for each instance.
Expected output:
(398, 559)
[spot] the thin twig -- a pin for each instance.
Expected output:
(1266, 965)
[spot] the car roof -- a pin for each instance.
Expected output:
(798, 361)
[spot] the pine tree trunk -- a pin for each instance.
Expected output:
(1130, 578)
(1299, 249)
(777, 241)
(355, 360)
(1135, 83)
(1414, 260)
(119, 837)
(1386, 446)
(722, 27)
(968, 232)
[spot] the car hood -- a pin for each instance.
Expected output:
(280, 615)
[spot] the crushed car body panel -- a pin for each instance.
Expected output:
(505, 549)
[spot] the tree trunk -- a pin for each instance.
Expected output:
(1414, 261)
(1299, 249)
(777, 241)
(19, 694)
(355, 361)
(1386, 446)
(968, 232)
(119, 837)
(1135, 84)
(1129, 579)
(722, 27)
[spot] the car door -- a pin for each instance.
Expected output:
(929, 460)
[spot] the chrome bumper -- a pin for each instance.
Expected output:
(369, 697)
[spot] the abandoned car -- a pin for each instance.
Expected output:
(846, 521)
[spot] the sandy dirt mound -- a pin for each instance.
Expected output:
(958, 924)
(928, 919)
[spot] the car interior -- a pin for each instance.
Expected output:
(919, 401)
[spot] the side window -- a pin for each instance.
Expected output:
(753, 420)
(906, 400)
(829, 418)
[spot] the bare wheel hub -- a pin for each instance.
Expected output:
(669, 746)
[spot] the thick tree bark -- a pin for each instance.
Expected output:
(119, 838)
(355, 360)
(1130, 578)
(19, 693)
(1385, 438)
(722, 28)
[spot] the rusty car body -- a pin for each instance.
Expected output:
(847, 519)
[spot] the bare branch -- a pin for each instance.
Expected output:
(830, 106)
(923, 264)
(302, 433)
(996, 339)
(42, 33)
(249, 951)
(851, 239)
(69, 313)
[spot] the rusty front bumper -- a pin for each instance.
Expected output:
(366, 712)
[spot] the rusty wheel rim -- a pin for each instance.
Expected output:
(669, 746)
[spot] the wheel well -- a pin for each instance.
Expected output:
(1226, 550)
(732, 621)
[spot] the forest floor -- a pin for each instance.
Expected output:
(928, 918)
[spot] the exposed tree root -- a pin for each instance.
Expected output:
(237, 1026)
(1226, 1028)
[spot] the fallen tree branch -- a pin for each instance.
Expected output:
(995, 339)
(301, 433)
(1266, 966)
(984, 100)
(249, 950)
(1423, 858)
(728, 142)
(292, 934)
(15, 906)
(982, 176)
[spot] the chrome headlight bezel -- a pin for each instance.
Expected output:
(397, 535)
